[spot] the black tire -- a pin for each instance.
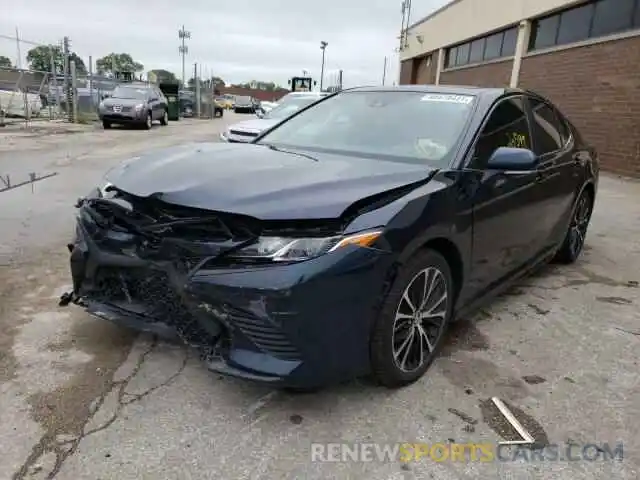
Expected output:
(577, 231)
(106, 125)
(148, 121)
(164, 121)
(388, 336)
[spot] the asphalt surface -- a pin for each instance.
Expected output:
(83, 399)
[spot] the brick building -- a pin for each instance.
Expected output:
(582, 55)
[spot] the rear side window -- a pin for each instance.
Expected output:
(547, 128)
(506, 127)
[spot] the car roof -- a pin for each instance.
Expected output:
(488, 93)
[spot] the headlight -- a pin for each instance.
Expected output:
(139, 107)
(283, 249)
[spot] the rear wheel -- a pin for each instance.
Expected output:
(412, 322)
(164, 121)
(577, 232)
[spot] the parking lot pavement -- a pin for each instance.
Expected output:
(83, 399)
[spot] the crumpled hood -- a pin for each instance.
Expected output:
(254, 125)
(258, 181)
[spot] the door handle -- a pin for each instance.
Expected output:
(580, 158)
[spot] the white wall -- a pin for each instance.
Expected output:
(464, 19)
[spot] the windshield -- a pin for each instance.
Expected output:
(411, 127)
(130, 93)
(290, 107)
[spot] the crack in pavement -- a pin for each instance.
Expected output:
(66, 448)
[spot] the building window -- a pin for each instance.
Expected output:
(575, 24)
(477, 51)
(463, 55)
(590, 20)
(494, 45)
(607, 20)
(545, 32)
(509, 42)
(490, 47)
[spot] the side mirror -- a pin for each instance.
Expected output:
(513, 159)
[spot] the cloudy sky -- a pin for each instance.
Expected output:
(239, 40)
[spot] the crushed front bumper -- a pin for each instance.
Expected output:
(303, 324)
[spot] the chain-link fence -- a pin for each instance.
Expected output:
(29, 94)
(49, 82)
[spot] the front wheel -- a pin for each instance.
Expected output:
(106, 125)
(148, 122)
(412, 322)
(574, 239)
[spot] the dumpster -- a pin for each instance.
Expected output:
(170, 91)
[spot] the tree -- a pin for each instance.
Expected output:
(160, 75)
(218, 82)
(5, 62)
(122, 62)
(39, 59)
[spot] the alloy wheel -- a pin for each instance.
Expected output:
(579, 224)
(420, 319)
(149, 121)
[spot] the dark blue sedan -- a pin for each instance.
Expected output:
(342, 241)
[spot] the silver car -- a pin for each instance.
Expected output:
(134, 104)
(246, 131)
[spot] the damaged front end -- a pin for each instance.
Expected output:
(231, 285)
(132, 259)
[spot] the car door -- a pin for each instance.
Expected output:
(559, 173)
(154, 103)
(503, 203)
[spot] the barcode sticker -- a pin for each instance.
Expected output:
(435, 97)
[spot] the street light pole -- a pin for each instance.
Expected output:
(323, 46)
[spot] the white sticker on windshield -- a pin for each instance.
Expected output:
(435, 97)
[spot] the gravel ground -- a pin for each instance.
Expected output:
(83, 399)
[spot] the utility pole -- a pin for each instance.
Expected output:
(183, 35)
(66, 48)
(404, 28)
(19, 57)
(384, 71)
(323, 47)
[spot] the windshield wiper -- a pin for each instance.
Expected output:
(278, 149)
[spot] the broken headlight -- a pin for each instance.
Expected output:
(283, 249)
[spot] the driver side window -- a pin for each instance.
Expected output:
(507, 127)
